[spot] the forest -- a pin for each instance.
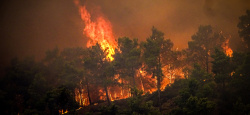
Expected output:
(135, 77)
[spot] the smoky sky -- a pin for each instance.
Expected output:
(178, 19)
(31, 27)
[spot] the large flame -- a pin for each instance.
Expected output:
(98, 30)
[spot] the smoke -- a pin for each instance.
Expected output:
(208, 7)
(31, 27)
(178, 19)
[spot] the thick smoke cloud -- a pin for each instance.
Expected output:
(178, 19)
(31, 27)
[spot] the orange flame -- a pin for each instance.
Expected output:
(169, 77)
(61, 112)
(98, 30)
(81, 97)
(228, 51)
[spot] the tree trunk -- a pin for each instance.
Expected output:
(142, 86)
(88, 92)
(122, 88)
(107, 94)
(159, 83)
(159, 91)
(133, 75)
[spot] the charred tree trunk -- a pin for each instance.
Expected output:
(159, 82)
(88, 92)
(159, 91)
(133, 75)
(134, 81)
(107, 94)
(134, 93)
(122, 88)
(142, 86)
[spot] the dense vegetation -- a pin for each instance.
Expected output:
(213, 83)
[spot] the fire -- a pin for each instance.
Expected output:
(61, 112)
(98, 30)
(228, 51)
(143, 81)
(81, 97)
(170, 74)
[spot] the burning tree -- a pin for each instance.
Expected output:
(154, 51)
(100, 68)
(127, 59)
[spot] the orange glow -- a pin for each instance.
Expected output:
(143, 80)
(228, 51)
(81, 97)
(170, 75)
(98, 30)
(61, 112)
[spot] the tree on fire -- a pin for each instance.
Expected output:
(202, 46)
(244, 28)
(74, 59)
(154, 50)
(100, 68)
(127, 59)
